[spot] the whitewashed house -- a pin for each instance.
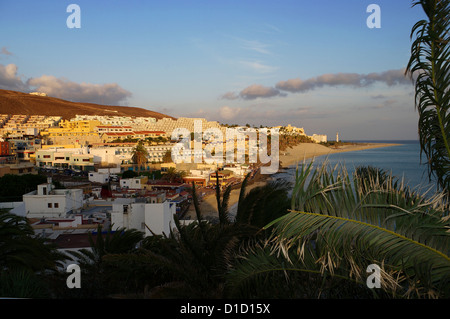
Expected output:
(52, 203)
(156, 216)
(96, 177)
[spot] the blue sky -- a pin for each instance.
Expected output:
(312, 64)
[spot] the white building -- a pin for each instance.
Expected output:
(106, 155)
(139, 182)
(239, 170)
(96, 177)
(158, 216)
(123, 154)
(319, 138)
(52, 203)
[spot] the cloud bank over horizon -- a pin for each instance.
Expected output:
(107, 94)
(297, 85)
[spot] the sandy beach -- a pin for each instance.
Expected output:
(309, 150)
(293, 156)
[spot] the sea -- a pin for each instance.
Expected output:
(402, 161)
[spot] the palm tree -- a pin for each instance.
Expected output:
(338, 225)
(430, 62)
(173, 174)
(98, 277)
(20, 248)
(25, 260)
(140, 154)
(197, 256)
(263, 204)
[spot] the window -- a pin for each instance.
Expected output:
(56, 205)
(49, 205)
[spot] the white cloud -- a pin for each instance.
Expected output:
(229, 96)
(297, 85)
(228, 113)
(110, 93)
(390, 78)
(9, 80)
(258, 66)
(4, 51)
(255, 91)
(254, 45)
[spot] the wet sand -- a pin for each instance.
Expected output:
(293, 156)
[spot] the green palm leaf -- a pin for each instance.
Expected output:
(367, 219)
(340, 224)
(430, 63)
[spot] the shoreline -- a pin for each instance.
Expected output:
(288, 158)
(308, 150)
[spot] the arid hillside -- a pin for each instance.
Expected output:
(13, 102)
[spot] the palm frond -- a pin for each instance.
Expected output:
(362, 220)
(430, 64)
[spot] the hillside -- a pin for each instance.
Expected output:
(13, 102)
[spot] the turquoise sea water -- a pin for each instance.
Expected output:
(401, 161)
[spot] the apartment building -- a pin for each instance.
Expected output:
(71, 132)
(168, 125)
(77, 159)
(319, 138)
(123, 154)
(108, 137)
(113, 129)
(21, 125)
(289, 129)
(117, 120)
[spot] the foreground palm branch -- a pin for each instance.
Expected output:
(339, 225)
(430, 63)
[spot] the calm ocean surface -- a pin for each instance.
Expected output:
(401, 161)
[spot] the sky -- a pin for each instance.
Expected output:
(312, 64)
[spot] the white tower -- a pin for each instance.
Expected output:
(337, 137)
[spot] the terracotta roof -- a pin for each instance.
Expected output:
(149, 132)
(119, 133)
(113, 126)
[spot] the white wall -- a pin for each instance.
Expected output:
(38, 205)
(158, 217)
(134, 183)
(98, 177)
(105, 155)
(56, 204)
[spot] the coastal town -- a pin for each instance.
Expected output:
(225, 158)
(94, 176)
